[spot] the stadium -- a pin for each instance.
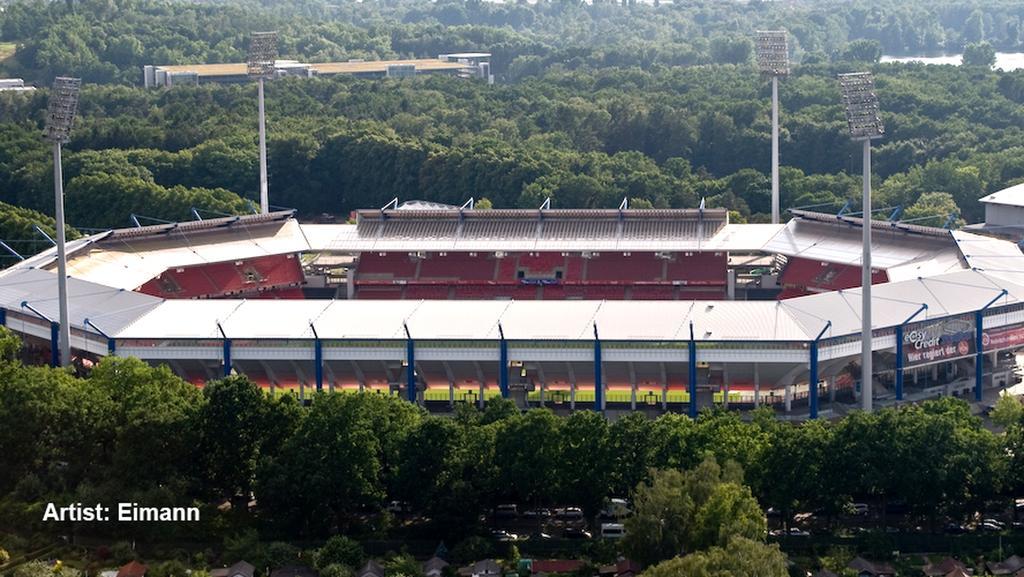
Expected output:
(615, 310)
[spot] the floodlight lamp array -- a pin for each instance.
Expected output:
(861, 104)
(262, 54)
(61, 110)
(772, 52)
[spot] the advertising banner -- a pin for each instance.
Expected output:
(1002, 338)
(935, 341)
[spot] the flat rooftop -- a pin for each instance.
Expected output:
(366, 67)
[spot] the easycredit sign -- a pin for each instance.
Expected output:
(934, 341)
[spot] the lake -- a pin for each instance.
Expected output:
(1004, 60)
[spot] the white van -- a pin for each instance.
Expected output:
(613, 530)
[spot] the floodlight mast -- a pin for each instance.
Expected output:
(260, 65)
(773, 61)
(865, 125)
(60, 116)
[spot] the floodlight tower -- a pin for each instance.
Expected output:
(862, 115)
(260, 65)
(773, 61)
(60, 115)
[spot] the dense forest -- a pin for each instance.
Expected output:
(109, 40)
(585, 138)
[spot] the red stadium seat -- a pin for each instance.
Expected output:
(541, 264)
(426, 292)
(619, 267)
(457, 266)
(231, 278)
(699, 268)
(804, 276)
(387, 265)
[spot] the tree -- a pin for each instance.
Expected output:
(232, 429)
(155, 421)
(790, 471)
(979, 54)
(933, 209)
(528, 451)
(340, 550)
(1008, 411)
(681, 512)
(583, 470)
(869, 51)
(10, 345)
(740, 558)
(327, 470)
(729, 511)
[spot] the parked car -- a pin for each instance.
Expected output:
(504, 536)
(569, 516)
(995, 522)
(396, 507)
(616, 508)
(538, 536)
(989, 527)
(507, 511)
(955, 529)
(857, 509)
(613, 530)
(574, 533)
(798, 532)
(539, 513)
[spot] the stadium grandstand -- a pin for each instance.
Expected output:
(619, 310)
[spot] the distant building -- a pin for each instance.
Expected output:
(14, 85)
(1004, 213)
(294, 571)
(132, 569)
(468, 65)
(240, 569)
(434, 567)
(371, 569)
(865, 568)
(485, 568)
(477, 64)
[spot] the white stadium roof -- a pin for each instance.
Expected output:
(926, 266)
(127, 315)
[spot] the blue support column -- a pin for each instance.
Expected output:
(503, 364)
(54, 344)
(318, 358)
(410, 370)
(979, 358)
(227, 357)
(899, 362)
(111, 346)
(812, 384)
(598, 383)
(693, 374)
(979, 347)
(3, 317)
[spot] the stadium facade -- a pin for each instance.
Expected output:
(610, 309)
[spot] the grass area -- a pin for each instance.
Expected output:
(7, 50)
